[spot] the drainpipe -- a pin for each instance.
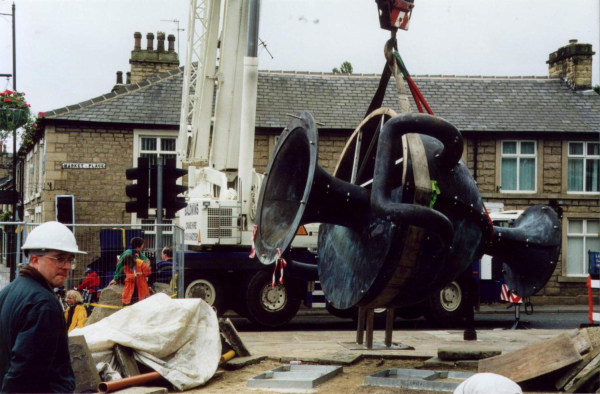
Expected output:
(475, 145)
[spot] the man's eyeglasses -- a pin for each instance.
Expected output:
(62, 261)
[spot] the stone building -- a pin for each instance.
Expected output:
(529, 140)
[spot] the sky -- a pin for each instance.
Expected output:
(69, 51)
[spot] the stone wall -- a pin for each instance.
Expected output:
(331, 145)
(99, 193)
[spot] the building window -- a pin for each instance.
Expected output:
(519, 163)
(582, 173)
(153, 147)
(582, 236)
(149, 228)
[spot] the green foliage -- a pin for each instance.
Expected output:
(597, 89)
(345, 68)
(31, 132)
(6, 216)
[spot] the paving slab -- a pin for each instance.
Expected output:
(320, 345)
(436, 362)
(241, 362)
(468, 351)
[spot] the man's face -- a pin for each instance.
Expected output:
(51, 269)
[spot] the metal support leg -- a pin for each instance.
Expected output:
(470, 334)
(370, 324)
(389, 327)
(360, 329)
(519, 325)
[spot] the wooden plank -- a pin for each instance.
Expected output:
(581, 340)
(593, 333)
(534, 360)
(590, 371)
(232, 336)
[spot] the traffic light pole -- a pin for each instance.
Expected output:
(159, 208)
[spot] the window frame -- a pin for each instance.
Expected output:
(518, 156)
(584, 157)
(565, 244)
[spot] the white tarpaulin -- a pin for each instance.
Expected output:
(178, 338)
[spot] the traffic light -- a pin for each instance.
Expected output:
(171, 189)
(138, 190)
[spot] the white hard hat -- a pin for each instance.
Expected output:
(52, 235)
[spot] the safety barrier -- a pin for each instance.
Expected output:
(103, 244)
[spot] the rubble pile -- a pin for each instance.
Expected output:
(569, 362)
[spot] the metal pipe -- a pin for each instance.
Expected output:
(370, 326)
(360, 329)
(159, 208)
(114, 385)
(253, 23)
(389, 326)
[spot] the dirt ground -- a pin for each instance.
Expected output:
(350, 382)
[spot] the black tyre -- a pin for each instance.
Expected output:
(211, 290)
(350, 313)
(379, 314)
(410, 312)
(268, 306)
(449, 307)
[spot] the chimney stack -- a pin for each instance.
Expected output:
(147, 63)
(119, 83)
(137, 36)
(128, 81)
(171, 40)
(150, 38)
(161, 41)
(573, 63)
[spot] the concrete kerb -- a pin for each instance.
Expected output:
(496, 309)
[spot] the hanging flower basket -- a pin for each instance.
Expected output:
(11, 119)
(14, 110)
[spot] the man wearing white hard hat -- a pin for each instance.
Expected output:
(34, 348)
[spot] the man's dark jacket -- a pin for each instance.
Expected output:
(34, 353)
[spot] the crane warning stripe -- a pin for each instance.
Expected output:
(504, 296)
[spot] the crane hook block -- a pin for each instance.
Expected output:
(395, 14)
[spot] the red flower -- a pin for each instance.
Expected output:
(42, 114)
(7, 100)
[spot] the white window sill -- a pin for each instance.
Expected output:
(572, 279)
(518, 191)
(584, 193)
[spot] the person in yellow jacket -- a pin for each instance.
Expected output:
(75, 315)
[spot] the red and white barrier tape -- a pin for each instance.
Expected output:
(282, 263)
(253, 250)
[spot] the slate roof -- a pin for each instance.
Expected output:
(340, 102)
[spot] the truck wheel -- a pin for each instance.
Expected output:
(268, 306)
(448, 308)
(211, 290)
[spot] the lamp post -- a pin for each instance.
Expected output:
(14, 77)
